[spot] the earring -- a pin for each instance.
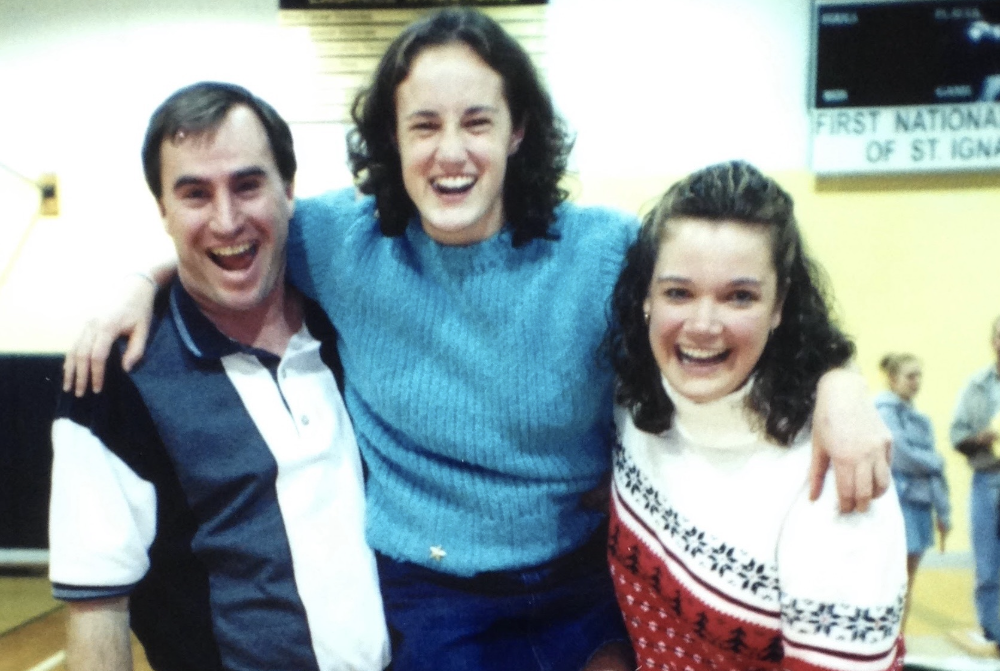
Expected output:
(645, 316)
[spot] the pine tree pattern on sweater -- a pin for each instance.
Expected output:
(693, 600)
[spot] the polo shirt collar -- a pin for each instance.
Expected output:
(199, 335)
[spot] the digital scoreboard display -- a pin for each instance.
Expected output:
(905, 86)
(906, 53)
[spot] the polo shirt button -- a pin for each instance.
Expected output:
(305, 420)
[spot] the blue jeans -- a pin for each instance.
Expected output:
(548, 618)
(984, 518)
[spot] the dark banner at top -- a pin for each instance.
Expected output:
(401, 4)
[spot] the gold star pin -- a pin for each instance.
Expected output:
(437, 553)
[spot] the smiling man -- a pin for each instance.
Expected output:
(213, 495)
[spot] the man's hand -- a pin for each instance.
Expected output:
(128, 312)
(987, 438)
(849, 434)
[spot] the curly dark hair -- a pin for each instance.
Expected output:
(531, 188)
(804, 346)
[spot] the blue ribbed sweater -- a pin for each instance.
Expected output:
(472, 377)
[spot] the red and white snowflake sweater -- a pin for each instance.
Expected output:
(720, 561)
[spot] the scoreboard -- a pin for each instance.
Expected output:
(905, 86)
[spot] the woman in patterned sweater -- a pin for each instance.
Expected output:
(719, 559)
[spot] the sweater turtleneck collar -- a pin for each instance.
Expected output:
(460, 259)
(724, 423)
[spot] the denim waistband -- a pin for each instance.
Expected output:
(586, 559)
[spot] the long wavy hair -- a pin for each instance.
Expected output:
(804, 346)
(531, 188)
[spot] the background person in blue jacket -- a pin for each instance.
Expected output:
(917, 468)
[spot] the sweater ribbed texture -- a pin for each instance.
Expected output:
(472, 376)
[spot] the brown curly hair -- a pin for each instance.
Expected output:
(804, 346)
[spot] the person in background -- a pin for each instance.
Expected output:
(719, 558)
(212, 497)
(917, 468)
(470, 301)
(973, 432)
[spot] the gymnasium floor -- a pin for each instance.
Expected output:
(942, 607)
(32, 624)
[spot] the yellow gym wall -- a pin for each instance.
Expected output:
(913, 265)
(652, 90)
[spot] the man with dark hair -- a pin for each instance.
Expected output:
(212, 497)
(974, 434)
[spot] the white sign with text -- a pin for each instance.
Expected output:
(914, 138)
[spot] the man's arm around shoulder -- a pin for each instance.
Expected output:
(97, 635)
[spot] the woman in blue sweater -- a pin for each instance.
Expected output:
(470, 302)
(917, 468)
